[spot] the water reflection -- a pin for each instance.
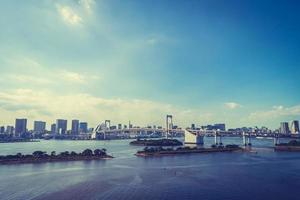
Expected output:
(264, 175)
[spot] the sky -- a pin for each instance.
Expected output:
(204, 62)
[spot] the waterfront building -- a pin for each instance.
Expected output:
(215, 127)
(61, 126)
(83, 127)
(2, 129)
(284, 128)
(53, 128)
(119, 126)
(75, 127)
(39, 127)
(20, 126)
(9, 130)
(193, 127)
(295, 127)
(220, 127)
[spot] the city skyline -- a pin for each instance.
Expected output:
(237, 65)
(74, 126)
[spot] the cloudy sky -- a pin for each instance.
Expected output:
(203, 61)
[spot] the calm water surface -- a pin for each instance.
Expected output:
(262, 175)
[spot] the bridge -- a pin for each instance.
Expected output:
(107, 133)
(103, 131)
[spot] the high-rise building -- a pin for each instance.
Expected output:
(220, 127)
(83, 127)
(193, 127)
(9, 130)
(119, 126)
(53, 128)
(20, 126)
(75, 127)
(284, 128)
(2, 129)
(61, 126)
(39, 127)
(295, 127)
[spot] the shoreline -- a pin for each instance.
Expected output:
(287, 148)
(43, 157)
(181, 152)
(49, 159)
(156, 142)
(17, 141)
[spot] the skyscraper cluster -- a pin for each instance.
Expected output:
(39, 127)
(286, 129)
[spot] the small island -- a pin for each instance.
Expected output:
(292, 145)
(186, 150)
(41, 157)
(156, 142)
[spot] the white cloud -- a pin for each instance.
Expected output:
(27, 79)
(72, 76)
(69, 15)
(87, 5)
(48, 77)
(276, 112)
(278, 107)
(23, 61)
(46, 105)
(232, 105)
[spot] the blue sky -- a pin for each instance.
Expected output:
(202, 61)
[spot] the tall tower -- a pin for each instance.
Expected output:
(61, 126)
(284, 128)
(20, 126)
(83, 127)
(295, 127)
(53, 128)
(39, 127)
(75, 127)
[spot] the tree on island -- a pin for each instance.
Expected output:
(39, 153)
(99, 152)
(19, 155)
(64, 154)
(87, 152)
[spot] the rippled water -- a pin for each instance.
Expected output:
(262, 175)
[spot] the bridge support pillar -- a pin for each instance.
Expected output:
(216, 138)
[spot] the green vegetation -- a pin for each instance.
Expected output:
(157, 142)
(42, 156)
(180, 150)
